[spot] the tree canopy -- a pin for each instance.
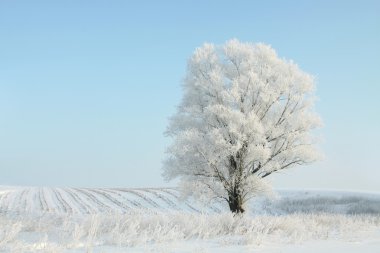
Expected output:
(245, 114)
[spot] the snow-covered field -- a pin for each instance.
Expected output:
(158, 220)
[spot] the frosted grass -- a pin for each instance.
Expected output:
(292, 218)
(130, 230)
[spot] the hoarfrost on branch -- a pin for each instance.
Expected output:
(245, 114)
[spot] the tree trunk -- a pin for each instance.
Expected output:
(235, 202)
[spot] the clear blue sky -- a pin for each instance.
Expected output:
(86, 87)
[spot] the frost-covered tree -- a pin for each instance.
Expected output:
(245, 114)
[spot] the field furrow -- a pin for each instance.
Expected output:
(42, 200)
(141, 196)
(119, 205)
(131, 202)
(157, 194)
(63, 205)
(168, 191)
(80, 204)
(100, 206)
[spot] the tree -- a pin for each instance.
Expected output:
(244, 115)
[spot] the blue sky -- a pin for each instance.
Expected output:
(86, 87)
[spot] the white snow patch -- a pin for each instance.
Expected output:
(155, 220)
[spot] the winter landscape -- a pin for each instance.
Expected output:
(157, 220)
(203, 126)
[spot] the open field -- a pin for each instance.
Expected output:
(158, 220)
(43, 200)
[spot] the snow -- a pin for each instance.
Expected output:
(42, 219)
(245, 113)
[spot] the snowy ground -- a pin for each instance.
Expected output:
(157, 220)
